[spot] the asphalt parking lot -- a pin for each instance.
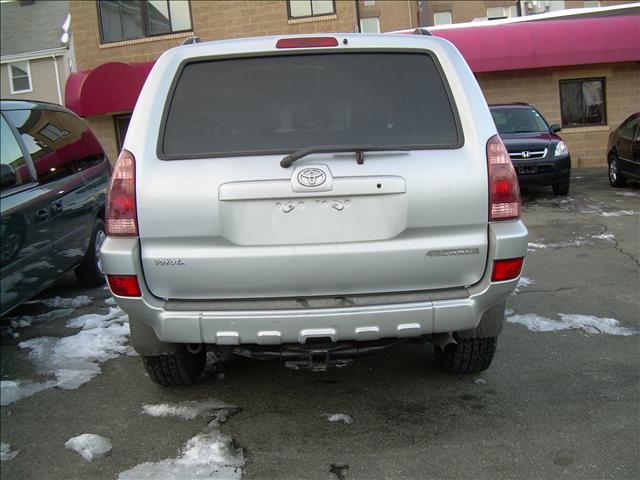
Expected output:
(561, 399)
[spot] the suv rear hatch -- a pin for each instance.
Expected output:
(220, 218)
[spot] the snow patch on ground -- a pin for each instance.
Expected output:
(628, 194)
(619, 213)
(208, 455)
(188, 409)
(479, 381)
(339, 417)
(72, 252)
(27, 320)
(524, 282)
(589, 323)
(14, 390)
(531, 247)
(74, 359)
(6, 453)
(604, 236)
(90, 446)
(110, 301)
(59, 302)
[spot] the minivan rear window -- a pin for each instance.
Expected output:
(279, 104)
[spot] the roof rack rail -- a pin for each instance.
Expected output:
(191, 40)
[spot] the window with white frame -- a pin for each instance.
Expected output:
(497, 12)
(370, 25)
(442, 18)
(310, 8)
(20, 77)
(369, 3)
(591, 4)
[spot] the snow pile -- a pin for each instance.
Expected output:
(6, 453)
(588, 323)
(59, 302)
(89, 446)
(73, 360)
(188, 409)
(339, 417)
(479, 381)
(28, 320)
(532, 247)
(72, 252)
(208, 455)
(12, 391)
(628, 194)
(110, 301)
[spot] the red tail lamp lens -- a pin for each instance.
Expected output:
(309, 42)
(124, 285)
(506, 269)
(122, 219)
(504, 193)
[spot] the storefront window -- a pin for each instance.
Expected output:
(582, 102)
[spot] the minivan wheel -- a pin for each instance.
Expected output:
(471, 355)
(615, 178)
(89, 272)
(176, 369)
(560, 188)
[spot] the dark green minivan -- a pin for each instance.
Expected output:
(53, 181)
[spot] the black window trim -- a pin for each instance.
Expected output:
(312, 14)
(174, 83)
(145, 24)
(604, 100)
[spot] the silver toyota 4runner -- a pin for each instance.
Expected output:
(312, 198)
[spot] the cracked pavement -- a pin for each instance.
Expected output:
(553, 405)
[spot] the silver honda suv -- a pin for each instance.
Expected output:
(312, 198)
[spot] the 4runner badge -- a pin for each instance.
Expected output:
(453, 252)
(311, 177)
(169, 262)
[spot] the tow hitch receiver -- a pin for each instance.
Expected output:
(319, 357)
(318, 361)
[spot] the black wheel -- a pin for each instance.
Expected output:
(471, 355)
(175, 369)
(560, 188)
(89, 272)
(615, 177)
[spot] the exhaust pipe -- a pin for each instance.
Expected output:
(445, 341)
(194, 348)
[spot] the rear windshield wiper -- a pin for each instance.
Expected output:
(357, 149)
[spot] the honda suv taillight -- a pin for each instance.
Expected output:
(122, 218)
(504, 193)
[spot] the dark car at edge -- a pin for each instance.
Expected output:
(538, 154)
(623, 152)
(53, 181)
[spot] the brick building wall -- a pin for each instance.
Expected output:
(466, 11)
(393, 15)
(540, 87)
(212, 20)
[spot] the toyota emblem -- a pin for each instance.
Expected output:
(311, 177)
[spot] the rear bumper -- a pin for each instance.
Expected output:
(399, 315)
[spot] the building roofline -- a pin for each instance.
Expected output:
(58, 51)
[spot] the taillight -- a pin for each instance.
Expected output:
(504, 193)
(506, 269)
(124, 285)
(122, 219)
(307, 42)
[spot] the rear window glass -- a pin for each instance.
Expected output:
(283, 103)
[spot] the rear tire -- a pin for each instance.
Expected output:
(616, 179)
(560, 188)
(472, 355)
(175, 369)
(89, 272)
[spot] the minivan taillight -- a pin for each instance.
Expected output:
(122, 219)
(504, 193)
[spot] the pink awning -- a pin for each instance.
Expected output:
(548, 43)
(110, 88)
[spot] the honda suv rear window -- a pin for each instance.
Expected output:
(278, 104)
